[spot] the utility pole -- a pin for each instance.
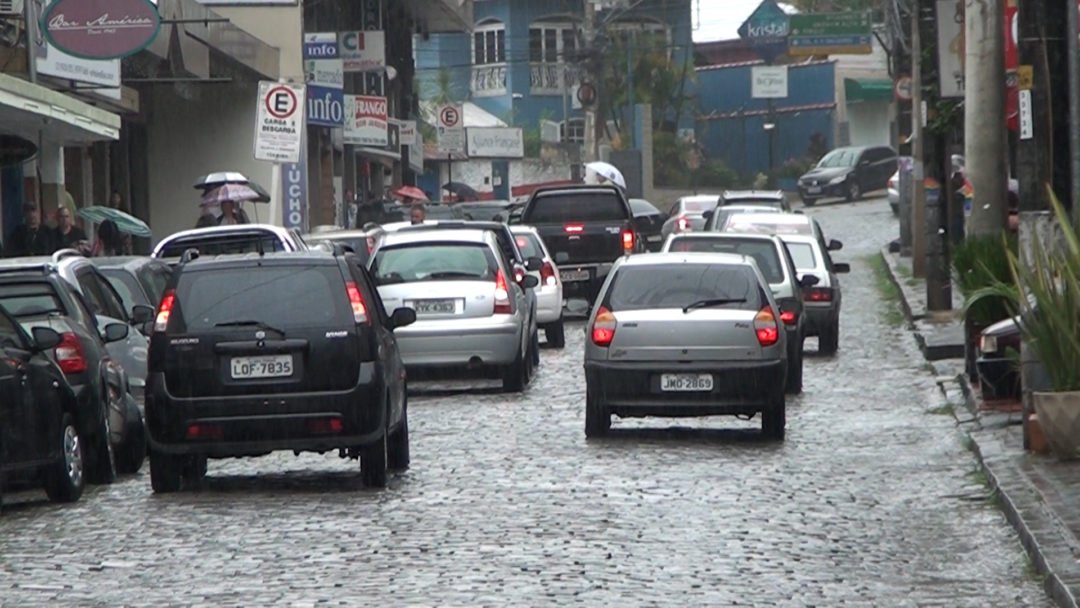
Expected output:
(1073, 51)
(592, 129)
(901, 55)
(938, 275)
(918, 212)
(985, 143)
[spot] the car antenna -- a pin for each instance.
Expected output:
(259, 247)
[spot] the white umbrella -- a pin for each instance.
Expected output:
(607, 171)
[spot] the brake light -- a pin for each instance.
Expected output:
(502, 295)
(603, 331)
(628, 240)
(356, 299)
(574, 228)
(205, 431)
(682, 224)
(819, 294)
(547, 275)
(161, 323)
(765, 327)
(69, 354)
(324, 426)
(788, 317)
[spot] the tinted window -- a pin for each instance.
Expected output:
(763, 252)
(752, 226)
(576, 207)
(844, 157)
(30, 299)
(676, 285)
(529, 245)
(434, 262)
(223, 244)
(154, 280)
(770, 202)
(280, 296)
(10, 334)
(103, 301)
(641, 206)
(483, 213)
(125, 284)
(803, 255)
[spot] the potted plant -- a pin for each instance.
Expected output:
(978, 263)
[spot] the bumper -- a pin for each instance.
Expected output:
(739, 387)
(549, 304)
(588, 288)
(256, 424)
(818, 317)
(431, 344)
(807, 192)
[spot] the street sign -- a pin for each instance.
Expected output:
(766, 29)
(279, 122)
(325, 106)
(769, 81)
(451, 129)
(366, 121)
(363, 51)
(1027, 125)
(902, 88)
(831, 34)
(1025, 77)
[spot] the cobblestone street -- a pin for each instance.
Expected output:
(871, 500)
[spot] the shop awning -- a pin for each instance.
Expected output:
(27, 109)
(868, 89)
(379, 155)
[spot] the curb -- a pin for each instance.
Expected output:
(1021, 503)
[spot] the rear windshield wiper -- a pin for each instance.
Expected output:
(251, 323)
(710, 303)
(453, 274)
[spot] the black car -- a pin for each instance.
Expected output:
(252, 354)
(108, 418)
(649, 221)
(848, 173)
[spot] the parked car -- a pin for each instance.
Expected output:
(685, 334)
(137, 280)
(471, 312)
(996, 360)
(823, 299)
(39, 414)
(549, 291)
(718, 218)
(252, 354)
(688, 213)
(237, 238)
(649, 222)
(107, 416)
(775, 263)
(484, 211)
(848, 173)
(770, 198)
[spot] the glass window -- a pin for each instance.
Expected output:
(30, 300)
(536, 44)
(500, 46)
(224, 244)
(699, 206)
(434, 262)
(10, 334)
(843, 157)
(529, 245)
(155, 279)
(127, 286)
(763, 252)
(551, 45)
(803, 255)
(676, 285)
(489, 45)
(102, 301)
(576, 207)
(641, 206)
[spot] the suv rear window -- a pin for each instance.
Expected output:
(436, 261)
(223, 245)
(30, 299)
(676, 285)
(763, 252)
(280, 296)
(576, 207)
(698, 206)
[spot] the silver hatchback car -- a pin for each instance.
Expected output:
(470, 311)
(685, 334)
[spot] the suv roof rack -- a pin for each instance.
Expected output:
(41, 268)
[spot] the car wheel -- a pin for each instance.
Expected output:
(515, 375)
(194, 469)
(853, 192)
(373, 459)
(536, 349)
(774, 420)
(165, 470)
(597, 417)
(102, 457)
(829, 339)
(795, 370)
(133, 451)
(809, 202)
(398, 450)
(555, 333)
(64, 479)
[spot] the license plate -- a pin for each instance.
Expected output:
(686, 382)
(569, 276)
(434, 307)
(267, 366)
(814, 189)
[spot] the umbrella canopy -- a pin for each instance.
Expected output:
(608, 171)
(210, 181)
(411, 192)
(229, 192)
(462, 191)
(127, 223)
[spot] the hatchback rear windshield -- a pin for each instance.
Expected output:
(768, 202)
(127, 286)
(576, 207)
(529, 245)
(752, 226)
(30, 300)
(223, 245)
(699, 206)
(434, 262)
(280, 296)
(763, 252)
(677, 285)
(803, 255)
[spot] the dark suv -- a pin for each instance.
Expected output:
(289, 351)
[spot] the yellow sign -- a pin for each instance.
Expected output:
(1024, 77)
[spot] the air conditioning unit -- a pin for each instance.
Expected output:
(11, 7)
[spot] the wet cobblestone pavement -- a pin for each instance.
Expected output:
(871, 501)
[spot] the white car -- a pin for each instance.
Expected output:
(549, 293)
(235, 238)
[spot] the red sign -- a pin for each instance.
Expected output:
(101, 29)
(1012, 61)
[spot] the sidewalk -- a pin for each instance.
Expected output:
(1039, 495)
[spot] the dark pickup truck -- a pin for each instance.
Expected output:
(586, 228)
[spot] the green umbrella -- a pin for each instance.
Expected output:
(127, 223)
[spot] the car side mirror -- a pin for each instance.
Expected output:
(45, 338)
(842, 268)
(402, 317)
(809, 280)
(529, 281)
(835, 245)
(534, 264)
(114, 332)
(141, 313)
(708, 214)
(147, 329)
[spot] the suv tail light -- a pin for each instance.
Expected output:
(603, 330)
(356, 300)
(161, 322)
(628, 240)
(765, 326)
(788, 317)
(69, 354)
(818, 294)
(547, 275)
(502, 295)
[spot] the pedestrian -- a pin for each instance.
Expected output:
(207, 217)
(369, 211)
(111, 241)
(417, 214)
(350, 208)
(30, 237)
(68, 235)
(116, 201)
(231, 215)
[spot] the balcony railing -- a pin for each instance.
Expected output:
(489, 80)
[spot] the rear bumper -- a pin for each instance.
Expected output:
(256, 424)
(436, 344)
(739, 387)
(819, 317)
(824, 191)
(589, 288)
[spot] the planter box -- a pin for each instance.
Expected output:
(1059, 419)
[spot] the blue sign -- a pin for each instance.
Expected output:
(321, 46)
(294, 190)
(767, 29)
(325, 106)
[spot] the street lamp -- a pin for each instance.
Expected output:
(770, 128)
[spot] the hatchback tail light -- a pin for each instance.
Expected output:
(628, 241)
(788, 317)
(356, 300)
(204, 431)
(603, 330)
(502, 295)
(819, 294)
(547, 275)
(768, 333)
(69, 354)
(682, 224)
(161, 322)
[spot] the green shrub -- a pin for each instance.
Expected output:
(978, 263)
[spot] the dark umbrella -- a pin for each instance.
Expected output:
(462, 191)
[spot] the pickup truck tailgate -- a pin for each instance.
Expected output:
(584, 243)
(585, 225)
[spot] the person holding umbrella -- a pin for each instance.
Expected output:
(410, 195)
(230, 215)
(227, 196)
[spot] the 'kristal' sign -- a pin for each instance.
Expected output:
(101, 29)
